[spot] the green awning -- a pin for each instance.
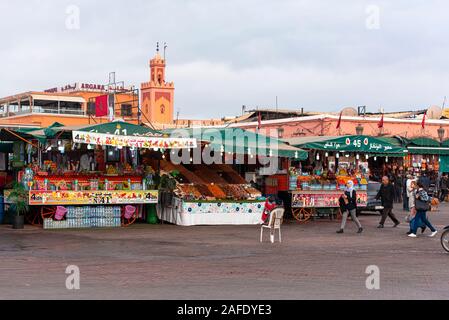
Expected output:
(424, 142)
(444, 164)
(239, 141)
(427, 146)
(360, 144)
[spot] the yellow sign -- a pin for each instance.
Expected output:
(54, 198)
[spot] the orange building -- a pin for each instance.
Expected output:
(70, 105)
(157, 94)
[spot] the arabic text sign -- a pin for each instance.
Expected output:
(54, 198)
(363, 144)
(132, 141)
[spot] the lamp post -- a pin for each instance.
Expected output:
(359, 130)
(441, 133)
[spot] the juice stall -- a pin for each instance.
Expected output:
(317, 184)
(92, 176)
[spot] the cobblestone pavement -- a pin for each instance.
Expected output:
(225, 262)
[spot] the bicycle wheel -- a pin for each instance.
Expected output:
(445, 240)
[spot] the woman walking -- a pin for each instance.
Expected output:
(349, 206)
(422, 205)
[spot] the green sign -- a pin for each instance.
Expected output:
(361, 144)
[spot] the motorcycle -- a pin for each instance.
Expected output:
(445, 239)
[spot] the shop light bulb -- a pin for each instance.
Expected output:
(357, 157)
(318, 156)
(296, 154)
(375, 158)
(386, 159)
(327, 154)
(191, 159)
(157, 149)
(163, 156)
(347, 156)
(337, 155)
(367, 156)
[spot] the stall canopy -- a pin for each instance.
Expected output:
(117, 134)
(239, 141)
(356, 143)
(426, 146)
(444, 164)
(123, 134)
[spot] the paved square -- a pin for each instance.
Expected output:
(225, 262)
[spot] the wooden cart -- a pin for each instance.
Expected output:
(309, 204)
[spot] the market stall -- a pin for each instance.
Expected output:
(215, 194)
(317, 184)
(92, 176)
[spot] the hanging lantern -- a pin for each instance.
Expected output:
(317, 156)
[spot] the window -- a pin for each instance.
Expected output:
(280, 132)
(127, 110)
(91, 108)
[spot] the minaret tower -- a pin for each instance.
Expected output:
(157, 102)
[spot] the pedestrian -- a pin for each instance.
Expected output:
(425, 181)
(406, 187)
(386, 195)
(400, 182)
(444, 185)
(422, 205)
(412, 215)
(349, 207)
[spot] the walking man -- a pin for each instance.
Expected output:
(386, 195)
(444, 185)
(349, 207)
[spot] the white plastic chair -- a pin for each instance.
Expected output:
(275, 222)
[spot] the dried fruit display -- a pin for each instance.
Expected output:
(204, 190)
(189, 190)
(253, 192)
(216, 191)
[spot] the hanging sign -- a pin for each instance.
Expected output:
(54, 198)
(104, 139)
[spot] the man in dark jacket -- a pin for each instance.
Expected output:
(386, 195)
(444, 186)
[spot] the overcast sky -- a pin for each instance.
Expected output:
(320, 55)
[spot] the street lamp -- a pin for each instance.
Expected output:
(359, 130)
(441, 133)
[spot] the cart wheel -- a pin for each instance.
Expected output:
(127, 222)
(48, 212)
(303, 215)
(34, 217)
(445, 240)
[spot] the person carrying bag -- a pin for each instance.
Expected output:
(348, 205)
